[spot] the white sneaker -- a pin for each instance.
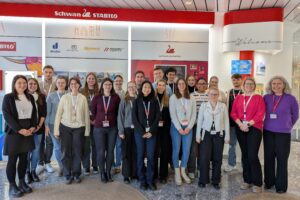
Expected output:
(229, 168)
(39, 169)
(49, 168)
(256, 189)
(192, 175)
(245, 186)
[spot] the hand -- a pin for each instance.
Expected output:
(37, 129)
(226, 141)
(31, 130)
(56, 136)
(198, 140)
(181, 132)
(47, 130)
(122, 136)
(244, 127)
(187, 130)
(24, 132)
(149, 135)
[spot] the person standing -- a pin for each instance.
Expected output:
(145, 117)
(105, 111)
(158, 74)
(72, 123)
(20, 117)
(171, 76)
(90, 89)
(40, 103)
(139, 78)
(214, 82)
(232, 94)
(248, 112)
(191, 81)
(183, 117)
(126, 133)
(282, 112)
(52, 104)
(212, 131)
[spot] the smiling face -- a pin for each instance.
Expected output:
(20, 85)
(48, 73)
(161, 87)
(214, 82)
(249, 86)
(181, 86)
(213, 95)
(201, 86)
(61, 84)
(91, 80)
(277, 86)
(32, 86)
(131, 87)
(158, 75)
(118, 82)
(74, 86)
(139, 79)
(236, 82)
(191, 81)
(171, 76)
(146, 90)
(107, 86)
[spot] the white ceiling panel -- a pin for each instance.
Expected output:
(167, 4)
(246, 4)
(178, 4)
(257, 4)
(201, 5)
(189, 4)
(234, 5)
(211, 5)
(223, 5)
(133, 4)
(156, 4)
(145, 4)
(270, 3)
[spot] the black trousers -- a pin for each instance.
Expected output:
(193, 162)
(105, 141)
(88, 148)
(128, 150)
(71, 147)
(11, 167)
(46, 150)
(163, 151)
(249, 143)
(276, 154)
(211, 147)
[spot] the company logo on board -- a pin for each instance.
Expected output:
(73, 48)
(170, 50)
(55, 48)
(85, 14)
(108, 49)
(91, 49)
(8, 46)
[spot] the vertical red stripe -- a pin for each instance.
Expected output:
(248, 55)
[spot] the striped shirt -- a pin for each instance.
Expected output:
(199, 98)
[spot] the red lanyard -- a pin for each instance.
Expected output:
(106, 105)
(275, 105)
(246, 105)
(147, 111)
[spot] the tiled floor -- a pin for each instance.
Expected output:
(230, 186)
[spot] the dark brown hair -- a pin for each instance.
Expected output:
(64, 78)
(38, 91)
(139, 72)
(48, 67)
(13, 89)
(75, 78)
(186, 91)
(85, 90)
(112, 91)
(152, 93)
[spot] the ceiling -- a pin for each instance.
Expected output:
(291, 7)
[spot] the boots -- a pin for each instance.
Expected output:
(178, 179)
(103, 177)
(109, 177)
(24, 187)
(184, 176)
(35, 176)
(14, 191)
(29, 177)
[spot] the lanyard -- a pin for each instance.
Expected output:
(74, 102)
(106, 106)
(173, 88)
(91, 97)
(213, 111)
(131, 105)
(246, 104)
(275, 105)
(184, 106)
(161, 106)
(147, 111)
(59, 97)
(49, 87)
(234, 95)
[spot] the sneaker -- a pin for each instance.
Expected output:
(229, 168)
(49, 168)
(192, 175)
(87, 171)
(95, 170)
(245, 186)
(39, 169)
(256, 189)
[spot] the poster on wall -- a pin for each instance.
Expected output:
(241, 67)
(261, 68)
(111, 75)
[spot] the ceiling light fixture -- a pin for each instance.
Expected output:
(188, 2)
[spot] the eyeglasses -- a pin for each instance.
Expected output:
(213, 94)
(250, 84)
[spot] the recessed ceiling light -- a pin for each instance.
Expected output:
(188, 2)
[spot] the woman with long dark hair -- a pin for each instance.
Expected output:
(20, 117)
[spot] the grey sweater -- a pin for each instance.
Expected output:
(124, 115)
(52, 104)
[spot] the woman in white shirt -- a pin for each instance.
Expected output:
(183, 116)
(212, 130)
(72, 123)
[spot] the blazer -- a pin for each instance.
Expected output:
(42, 112)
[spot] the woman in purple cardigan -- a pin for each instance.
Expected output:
(282, 112)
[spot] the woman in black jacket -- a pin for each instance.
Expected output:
(20, 117)
(40, 103)
(145, 117)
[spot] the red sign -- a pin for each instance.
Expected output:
(108, 14)
(8, 46)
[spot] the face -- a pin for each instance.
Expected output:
(139, 79)
(61, 84)
(171, 76)
(118, 82)
(74, 86)
(214, 82)
(158, 75)
(32, 86)
(21, 85)
(48, 74)
(161, 87)
(213, 95)
(201, 86)
(131, 88)
(181, 85)
(236, 82)
(107, 86)
(91, 81)
(191, 81)
(249, 86)
(277, 86)
(146, 90)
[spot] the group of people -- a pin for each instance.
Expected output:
(173, 122)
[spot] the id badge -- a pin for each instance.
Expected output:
(105, 123)
(213, 132)
(245, 122)
(132, 126)
(160, 123)
(147, 129)
(184, 122)
(273, 116)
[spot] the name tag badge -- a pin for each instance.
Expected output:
(245, 122)
(273, 116)
(147, 129)
(184, 122)
(160, 123)
(213, 132)
(132, 126)
(105, 123)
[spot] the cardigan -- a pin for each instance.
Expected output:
(125, 115)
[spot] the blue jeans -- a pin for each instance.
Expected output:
(117, 163)
(56, 144)
(186, 141)
(145, 175)
(232, 145)
(33, 156)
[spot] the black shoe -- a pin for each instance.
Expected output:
(68, 180)
(268, 187)
(77, 179)
(95, 170)
(143, 186)
(87, 171)
(14, 191)
(24, 187)
(109, 178)
(127, 180)
(216, 186)
(280, 191)
(201, 185)
(103, 177)
(29, 178)
(152, 186)
(163, 181)
(35, 176)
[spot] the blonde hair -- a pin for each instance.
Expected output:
(165, 99)
(286, 88)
